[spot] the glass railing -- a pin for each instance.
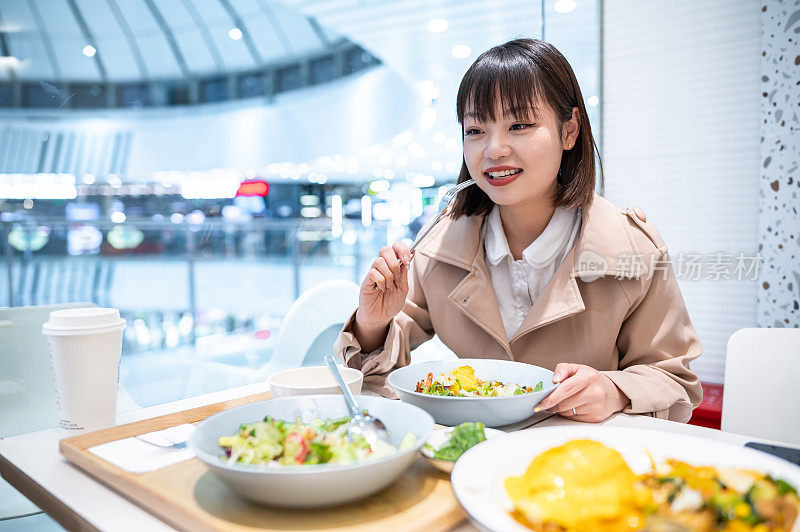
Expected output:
(183, 284)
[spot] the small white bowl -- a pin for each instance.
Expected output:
(313, 380)
(439, 437)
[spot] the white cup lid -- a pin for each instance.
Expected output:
(79, 320)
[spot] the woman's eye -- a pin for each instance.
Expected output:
(472, 131)
(520, 127)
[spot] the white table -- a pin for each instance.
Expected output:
(33, 464)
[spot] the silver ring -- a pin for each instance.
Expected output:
(574, 413)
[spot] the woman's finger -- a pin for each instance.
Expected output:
(565, 370)
(403, 279)
(392, 260)
(383, 268)
(566, 389)
(402, 251)
(575, 401)
(376, 279)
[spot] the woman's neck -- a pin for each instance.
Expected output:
(522, 224)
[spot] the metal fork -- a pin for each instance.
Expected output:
(445, 201)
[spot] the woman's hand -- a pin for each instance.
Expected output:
(383, 294)
(592, 395)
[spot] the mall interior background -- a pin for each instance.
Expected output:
(200, 164)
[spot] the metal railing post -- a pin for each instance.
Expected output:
(9, 263)
(192, 287)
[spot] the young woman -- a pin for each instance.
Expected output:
(531, 265)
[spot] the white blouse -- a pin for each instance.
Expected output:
(518, 283)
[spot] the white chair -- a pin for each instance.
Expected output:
(762, 375)
(312, 324)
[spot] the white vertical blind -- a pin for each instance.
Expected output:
(681, 89)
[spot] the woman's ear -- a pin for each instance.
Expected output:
(571, 128)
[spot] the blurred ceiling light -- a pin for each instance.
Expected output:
(309, 200)
(564, 6)
(114, 181)
(382, 185)
(89, 50)
(427, 118)
(37, 186)
(23, 239)
(427, 90)
(437, 25)
(310, 212)
(423, 180)
(349, 237)
(88, 179)
(209, 188)
(118, 217)
(9, 61)
(461, 51)
(231, 212)
(196, 217)
(403, 138)
(593, 101)
(125, 237)
(176, 217)
(337, 215)
(235, 34)
(366, 211)
(28, 203)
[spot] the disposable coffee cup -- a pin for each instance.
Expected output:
(85, 350)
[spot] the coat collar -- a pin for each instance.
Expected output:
(605, 247)
(605, 235)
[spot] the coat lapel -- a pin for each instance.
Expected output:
(475, 296)
(459, 242)
(605, 236)
(605, 242)
(560, 299)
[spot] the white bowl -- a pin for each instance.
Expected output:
(313, 380)
(439, 437)
(491, 411)
(308, 486)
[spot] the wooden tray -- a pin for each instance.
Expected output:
(188, 496)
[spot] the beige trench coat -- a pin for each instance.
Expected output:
(613, 304)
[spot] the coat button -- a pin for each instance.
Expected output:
(640, 214)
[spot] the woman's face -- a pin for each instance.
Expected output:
(516, 161)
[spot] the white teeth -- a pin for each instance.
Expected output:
(504, 173)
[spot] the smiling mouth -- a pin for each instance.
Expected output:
(501, 175)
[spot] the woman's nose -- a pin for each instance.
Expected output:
(497, 147)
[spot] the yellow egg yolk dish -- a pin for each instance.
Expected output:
(584, 486)
(580, 486)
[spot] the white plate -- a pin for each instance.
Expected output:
(439, 437)
(478, 475)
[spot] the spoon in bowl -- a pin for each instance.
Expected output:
(361, 423)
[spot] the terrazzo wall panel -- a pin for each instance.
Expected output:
(779, 206)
